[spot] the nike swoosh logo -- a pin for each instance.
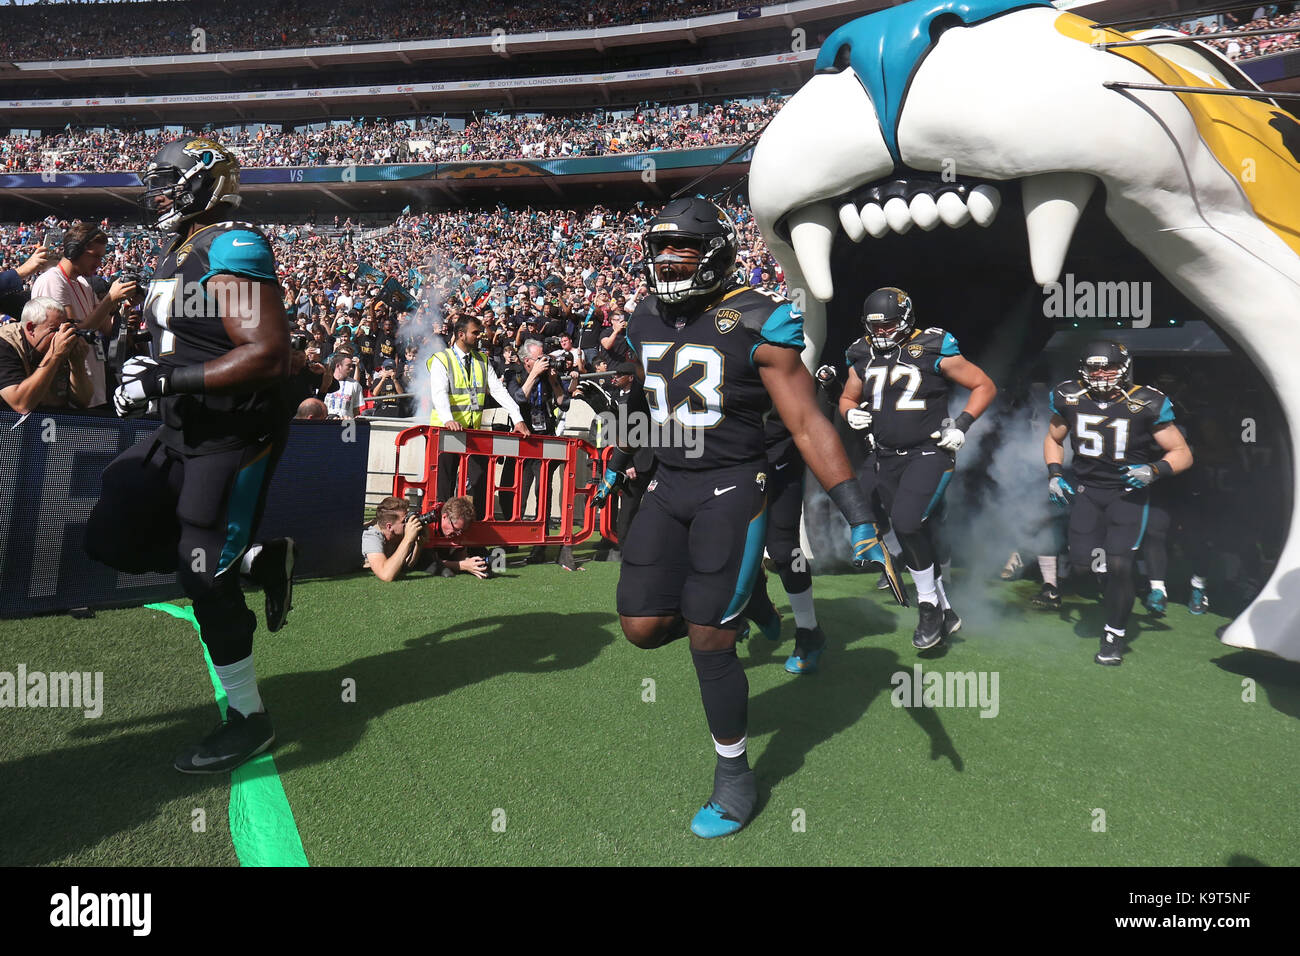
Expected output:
(204, 761)
(236, 242)
(929, 453)
(782, 465)
(723, 491)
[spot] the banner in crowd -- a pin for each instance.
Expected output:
(50, 467)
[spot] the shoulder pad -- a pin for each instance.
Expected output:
(857, 352)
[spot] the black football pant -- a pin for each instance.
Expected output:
(162, 511)
(911, 486)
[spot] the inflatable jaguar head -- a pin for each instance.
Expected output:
(972, 153)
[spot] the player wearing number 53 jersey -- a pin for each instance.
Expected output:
(898, 389)
(1124, 439)
(714, 358)
(189, 498)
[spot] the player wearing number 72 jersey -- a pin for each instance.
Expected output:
(1124, 439)
(714, 358)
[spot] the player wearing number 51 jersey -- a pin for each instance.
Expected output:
(189, 498)
(1124, 439)
(714, 359)
(898, 389)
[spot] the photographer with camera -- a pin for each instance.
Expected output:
(42, 360)
(540, 397)
(84, 246)
(395, 543)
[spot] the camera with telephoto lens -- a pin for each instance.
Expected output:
(427, 518)
(87, 335)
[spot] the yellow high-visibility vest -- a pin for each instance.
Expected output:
(466, 392)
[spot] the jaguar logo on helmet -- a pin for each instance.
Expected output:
(187, 178)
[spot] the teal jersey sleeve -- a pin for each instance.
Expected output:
(241, 253)
(1166, 413)
(947, 349)
(783, 327)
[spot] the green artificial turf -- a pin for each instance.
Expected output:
(506, 722)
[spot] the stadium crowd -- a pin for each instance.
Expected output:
(419, 140)
(46, 32)
(1252, 46)
(530, 273)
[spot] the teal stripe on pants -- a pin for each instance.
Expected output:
(242, 508)
(938, 493)
(749, 565)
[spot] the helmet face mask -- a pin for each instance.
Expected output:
(689, 225)
(887, 318)
(187, 178)
(1106, 369)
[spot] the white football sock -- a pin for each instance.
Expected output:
(239, 682)
(1157, 585)
(924, 580)
(802, 605)
(246, 565)
(1047, 568)
(942, 592)
(731, 750)
(1198, 582)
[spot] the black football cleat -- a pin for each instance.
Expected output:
(929, 632)
(1048, 598)
(1112, 650)
(273, 570)
(237, 740)
(951, 622)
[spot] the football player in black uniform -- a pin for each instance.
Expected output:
(899, 390)
(715, 357)
(1118, 432)
(189, 499)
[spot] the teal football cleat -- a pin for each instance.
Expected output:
(1199, 602)
(809, 643)
(1155, 601)
(713, 821)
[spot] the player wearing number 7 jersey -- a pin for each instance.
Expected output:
(714, 358)
(1124, 439)
(899, 389)
(188, 498)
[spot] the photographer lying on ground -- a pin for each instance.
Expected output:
(395, 542)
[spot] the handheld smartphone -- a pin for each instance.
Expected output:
(54, 238)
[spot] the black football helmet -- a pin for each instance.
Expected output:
(1106, 368)
(887, 318)
(196, 174)
(698, 224)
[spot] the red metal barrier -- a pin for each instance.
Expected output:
(569, 462)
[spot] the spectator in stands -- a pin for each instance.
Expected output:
(42, 360)
(12, 280)
(312, 410)
(345, 401)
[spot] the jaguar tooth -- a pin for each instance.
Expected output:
(898, 215)
(852, 222)
(924, 211)
(1053, 204)
(983, 204)
(952, 210)
(811, 233)
(873, 220)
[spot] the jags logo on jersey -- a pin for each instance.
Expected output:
(915, 350)
(726, 320)
(1135, 407)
